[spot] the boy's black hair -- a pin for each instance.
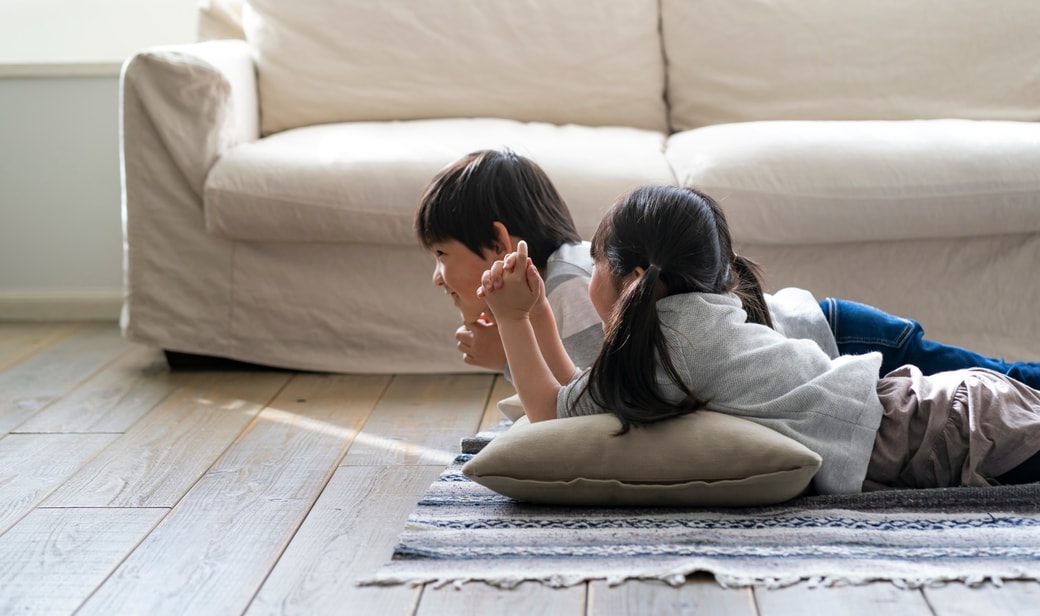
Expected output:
(466, 198)
(681, 239)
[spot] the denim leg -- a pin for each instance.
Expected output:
(859, 329)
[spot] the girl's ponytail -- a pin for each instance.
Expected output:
(748, 285)
(749, 290)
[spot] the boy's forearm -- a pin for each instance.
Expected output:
(533, 379)
(551, 345)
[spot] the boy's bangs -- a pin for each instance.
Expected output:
(454, 215)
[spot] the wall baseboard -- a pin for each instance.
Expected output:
(61, 305)
(9, 70)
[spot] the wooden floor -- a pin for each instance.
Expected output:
(128, 489)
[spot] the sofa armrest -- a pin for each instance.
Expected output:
(193, 101)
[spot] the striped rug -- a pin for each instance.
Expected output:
(462, 532)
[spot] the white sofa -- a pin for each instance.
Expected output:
(886, 151)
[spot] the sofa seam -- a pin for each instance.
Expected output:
(328, 205)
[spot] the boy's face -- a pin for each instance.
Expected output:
(458, 272)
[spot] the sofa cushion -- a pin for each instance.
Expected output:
(828, 60)
(594, 63)
(832, 182)
(701, 459)
(361, 181)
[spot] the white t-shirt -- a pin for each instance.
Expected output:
(567, 275)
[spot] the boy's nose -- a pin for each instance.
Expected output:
(438, 279)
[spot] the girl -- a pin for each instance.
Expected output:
(686, 328)
(477, 208)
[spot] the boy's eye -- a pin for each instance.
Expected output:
(438, 253)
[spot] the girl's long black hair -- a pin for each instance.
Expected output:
(681, 239)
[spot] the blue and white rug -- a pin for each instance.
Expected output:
(462, 532)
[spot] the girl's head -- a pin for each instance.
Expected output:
(657, 241)
(668, 240)
(474, 209)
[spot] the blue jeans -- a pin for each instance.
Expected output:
(859, 329)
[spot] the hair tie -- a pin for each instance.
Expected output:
(725, 278)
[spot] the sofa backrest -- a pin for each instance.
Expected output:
(732, 61)
(220, 19)
(595, 62)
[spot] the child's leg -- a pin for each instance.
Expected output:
(859, 329)
(969, 427)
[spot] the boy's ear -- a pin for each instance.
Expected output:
(503, 243)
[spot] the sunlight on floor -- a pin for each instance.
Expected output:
(408, 449)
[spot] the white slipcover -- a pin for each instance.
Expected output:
(885, 153)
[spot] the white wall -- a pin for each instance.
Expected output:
(60, 218)
(92, 31)
(60, 234)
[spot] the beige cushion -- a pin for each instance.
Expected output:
(832, 60)
(361, 181)
(593, 63)
(511, 408)
(702, 459)
(795, 183)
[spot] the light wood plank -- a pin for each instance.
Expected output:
(216, 547)
(53, 559)
(492, 416)
(479, 599)
(32, 384)
(32, 465)
(157, 460)
(1013, 598)
(350, 533)
(864, 600)
(19, 341)
(700, 595)
(112, 400)
(421, 420)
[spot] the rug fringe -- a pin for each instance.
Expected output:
(678, 577)
(904, 583)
